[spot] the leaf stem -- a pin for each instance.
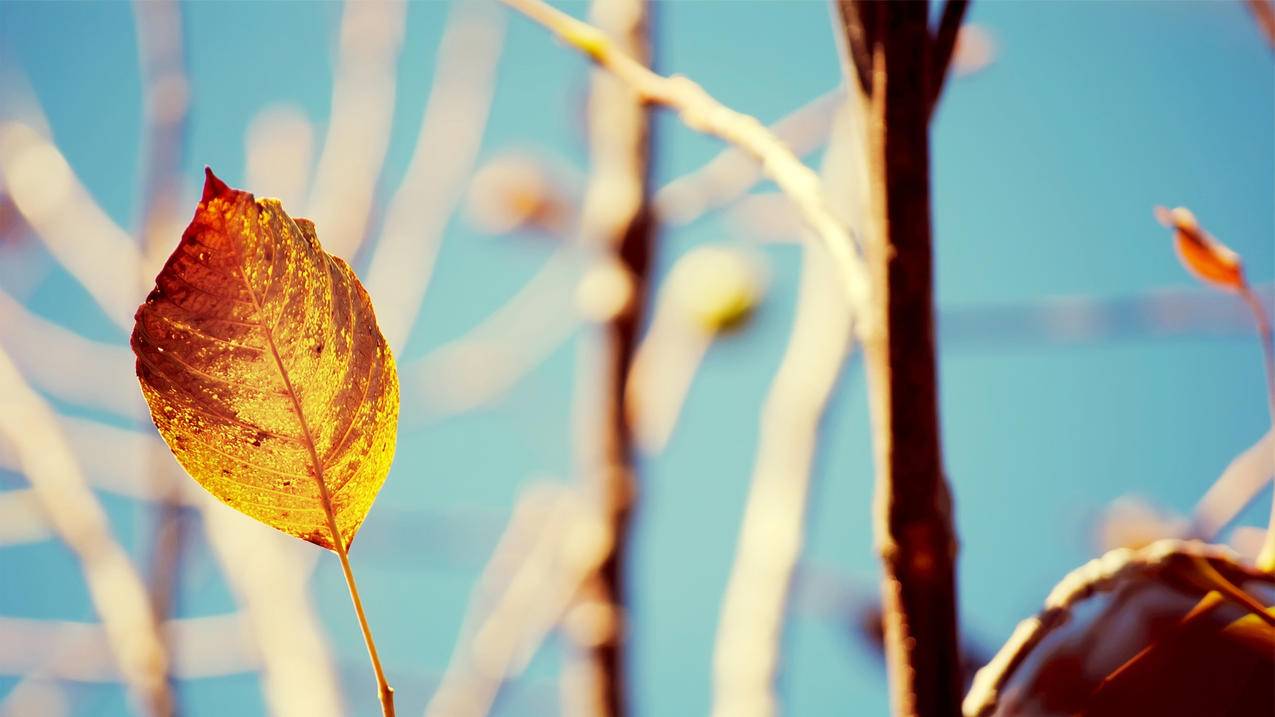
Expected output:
(384, 691)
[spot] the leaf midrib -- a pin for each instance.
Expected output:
(308, 438)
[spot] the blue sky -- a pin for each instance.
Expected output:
(1046, 167)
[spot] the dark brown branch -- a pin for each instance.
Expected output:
(913, 505)
(944, 44)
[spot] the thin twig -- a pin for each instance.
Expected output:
(733, 172)
(701, 112)
(117, 591)
(1102, 574)
(447, 145)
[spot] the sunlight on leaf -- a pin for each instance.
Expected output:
(265, 371)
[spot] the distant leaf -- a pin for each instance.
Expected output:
(1204, 256)
(265, 371)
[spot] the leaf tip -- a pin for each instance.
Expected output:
(213, 187)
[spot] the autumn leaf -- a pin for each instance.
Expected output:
(264, 369)
(1206, 257)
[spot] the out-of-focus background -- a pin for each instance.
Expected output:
(1080, 364)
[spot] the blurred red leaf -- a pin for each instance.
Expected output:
(1202, 255)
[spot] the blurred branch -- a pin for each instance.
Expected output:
(479, 367)
(699, 111)
(66, 365)
(1242, 480)
(268, 573)
(942, 46)
(279, 145)
(1102, 574)
(710, 291)
(359, 124)
(114, 586)
(616, 228)
(83, 652)
(913, 512)
(553, 541)
(750, 632)
(35, 695)
(166, 95)
(1264, 14)
(1088, 319)
(167, 99)
(446, 147)
(733, 171)
(22, 520)
(79, 235)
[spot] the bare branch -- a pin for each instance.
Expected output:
(943, 45)
(699, 111)
(733, 171)
(857, 40)
(749, 635)
(913, 512)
